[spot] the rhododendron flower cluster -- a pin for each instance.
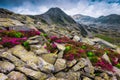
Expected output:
(11, 38)
(8, 41)
(105, 65)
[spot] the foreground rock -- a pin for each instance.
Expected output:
(6, 66)
(60, 64)
(35, 75)
(3, 76)
(16, 76)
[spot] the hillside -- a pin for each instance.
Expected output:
(52, 46)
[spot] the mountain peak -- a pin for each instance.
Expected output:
(57, 16)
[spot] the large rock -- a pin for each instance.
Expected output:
(86, 78)
(60, 64)
(73, 75)
(60, 54)
(70, 75)
(71, 63)
(98, 78)
(61, 74)
(81, 64)
(29, 57)
(17, 62)
(6, 66)
(105, 76)
(46, 67)
(89, 70)
(35, 75)
(50, 57)
(3, 76)
(16, 76)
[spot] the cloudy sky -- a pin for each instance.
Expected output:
(94, 8)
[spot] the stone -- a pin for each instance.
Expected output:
(90, 71)
(16, 76)
(17, 62)
(73, 75)
(117, 71)
(35, 47)
(29, 57)
(71, 63)
(50, 57)
(33, 42)
(40, 51)
(98, 78)
(35, 75)
(105, 56)
(52, 78)
(6, 66)
(60, 54)
(60, 46)
(86, 78)
(46, 67)
(76, 38)
(3, 76)
(81, 64)
(105, 76)
(34, 37)
(60, 64)
(61, 75)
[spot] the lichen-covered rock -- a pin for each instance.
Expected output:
(50, 57)
(60, 54)
(73, 75)
(40, 51)
(89, 70)
(6, 66)
(46, 67)
(52, 78)
(17, 62)
(61, 75)
(35, 75)
(98, 78)
(16, 76)
(71, 63)
(33, 42)
(105, 76)
(86, 78)
(81, 64)
(60, 64)
(3, 76)
(29, 57)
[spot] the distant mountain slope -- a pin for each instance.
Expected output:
(83, 19)
(112, 19)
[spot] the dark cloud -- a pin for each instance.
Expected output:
(93, 8)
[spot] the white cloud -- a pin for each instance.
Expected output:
(85, 7)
